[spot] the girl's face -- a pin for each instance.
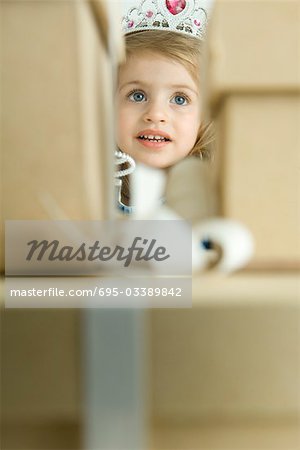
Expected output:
(158, 110)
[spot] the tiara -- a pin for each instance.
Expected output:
(180, 16)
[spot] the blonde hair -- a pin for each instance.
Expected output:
(186, 50)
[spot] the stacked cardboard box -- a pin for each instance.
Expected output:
(252, 91)
(57, 112)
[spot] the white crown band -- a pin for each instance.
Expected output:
(180, 16)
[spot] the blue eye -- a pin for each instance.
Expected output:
(137, 96)
(180, 100)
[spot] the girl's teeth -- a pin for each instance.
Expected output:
(152, 137)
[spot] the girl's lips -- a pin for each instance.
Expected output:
(150, 144)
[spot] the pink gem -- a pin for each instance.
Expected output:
(130, 24)
(197, 23)
(175, 6)
(149, 14)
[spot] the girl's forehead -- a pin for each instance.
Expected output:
(151, 67)
(141, 58)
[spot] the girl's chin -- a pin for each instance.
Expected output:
(154, 163)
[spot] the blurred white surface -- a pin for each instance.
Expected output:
(234, 240)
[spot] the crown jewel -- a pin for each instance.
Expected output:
(181, 16)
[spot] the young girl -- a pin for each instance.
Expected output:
(159, 87)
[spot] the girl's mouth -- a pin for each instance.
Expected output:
(153, 142)
(153, 138)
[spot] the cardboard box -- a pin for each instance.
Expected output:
(252, 92)
(252, 47)
(57, 112)
(258, 146)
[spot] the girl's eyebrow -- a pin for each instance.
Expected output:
(131, 82)
(184, 86)
(173, 86)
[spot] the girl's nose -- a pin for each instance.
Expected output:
(155, 113)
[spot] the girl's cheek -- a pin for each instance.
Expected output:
(124, 106)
